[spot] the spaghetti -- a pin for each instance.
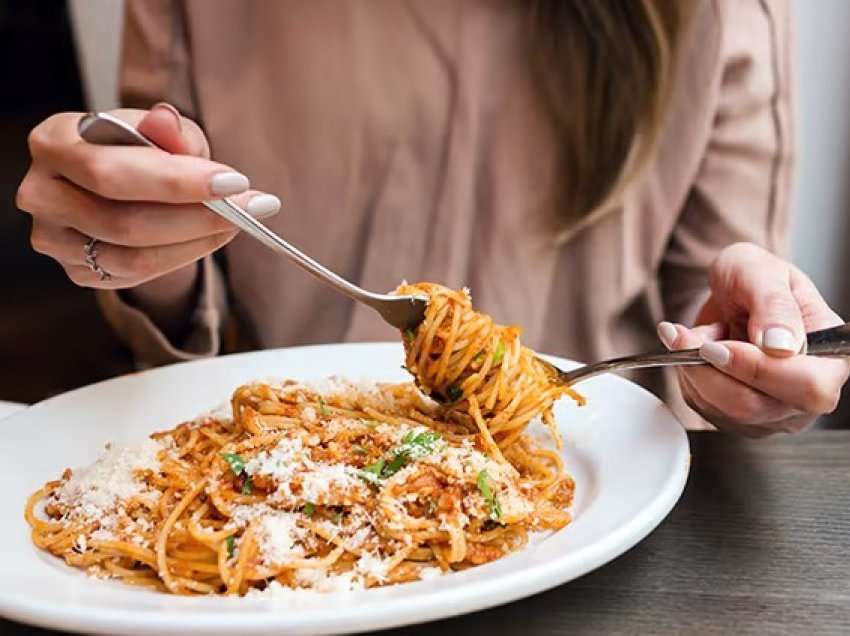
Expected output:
(302, 489)
(479, 370)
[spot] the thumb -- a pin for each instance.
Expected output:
(775, 321)
(164, 126)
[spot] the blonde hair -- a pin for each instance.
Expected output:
(604, 70)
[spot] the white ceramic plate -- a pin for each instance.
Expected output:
(628, 455)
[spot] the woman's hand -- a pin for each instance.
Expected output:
(141, 204)
(751, 330)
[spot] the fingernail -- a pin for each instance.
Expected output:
(168, 107)
(226, 183)
(779, 338)
(263, 205)
(715, 353)
(667, 333)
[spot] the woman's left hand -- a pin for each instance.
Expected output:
(751, 330)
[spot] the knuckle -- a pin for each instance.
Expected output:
(794, 425)
(176, 184)
(97, 173)
(76, 276)
(38, 141)
(25, 195)
(142, 262)
(122, 226)
(779, 301)
(39, 239)
(819, 397)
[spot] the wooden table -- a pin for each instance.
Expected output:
(759, 544)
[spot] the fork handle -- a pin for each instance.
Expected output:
(833, 342)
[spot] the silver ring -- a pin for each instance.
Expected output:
(91, 255)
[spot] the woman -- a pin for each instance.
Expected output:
(588, 169)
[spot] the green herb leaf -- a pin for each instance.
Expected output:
(359, 449)
(396, 464)
(489, 497)
(408, 437)
(409, 335)
(454, 393)
(247, 486)
(323, 409)
(231, 545)
(372, 472)
(375, 468)
(237, 464)
(309, 508)
(338, 516)
(499, 353)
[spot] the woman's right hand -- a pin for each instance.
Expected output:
(141, 204)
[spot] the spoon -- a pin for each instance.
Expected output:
(833, 343)
(402, 312)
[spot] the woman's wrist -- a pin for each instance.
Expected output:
(168, 300)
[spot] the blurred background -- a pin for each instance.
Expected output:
(60, 55)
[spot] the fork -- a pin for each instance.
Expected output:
(833, 343)
(402, 312)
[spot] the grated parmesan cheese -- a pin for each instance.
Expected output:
(373, 566)
(99, 489)
(280, 537)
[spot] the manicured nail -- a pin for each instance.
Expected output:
(224, 184)
(667, 333)
(169, 108)
(779, 338)
(263, 205)
(715, 353)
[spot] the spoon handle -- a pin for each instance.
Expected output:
(832, 342)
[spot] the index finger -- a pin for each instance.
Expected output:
(810, 384)
(130, 173)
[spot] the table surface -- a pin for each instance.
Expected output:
(758, 544)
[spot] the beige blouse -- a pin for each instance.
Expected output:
(406, 141)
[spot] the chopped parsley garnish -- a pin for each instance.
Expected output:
(372, 472)
(237, 464)
(323, 409)
(489, 497)
(454, 393)
(499, 354)
(247, 486)
(338, 516)
(409, 335)
(413, 445)
(394, 465)
(309, 508)
(419, 444)
(357, 448)
(231, 545)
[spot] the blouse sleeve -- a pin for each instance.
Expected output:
(742, 189)
(156, 66)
